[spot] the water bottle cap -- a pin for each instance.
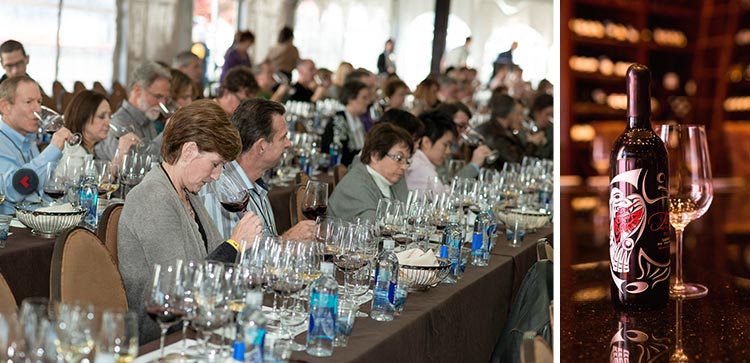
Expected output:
(238, 351)
(326, 267)
(389, 244)
(254, 298)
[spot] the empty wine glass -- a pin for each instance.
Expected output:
(211, 309)
(232, 195)
(74, 325)
(163, 302)
(289, 279)
(38, 330)
(132, 171)
(51, 122)
(690, 191)
(315, 200)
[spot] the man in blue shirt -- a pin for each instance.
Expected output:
(20, 97)
(264, 139)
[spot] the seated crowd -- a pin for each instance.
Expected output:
(390, 144)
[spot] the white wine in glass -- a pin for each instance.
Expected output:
(690, 191)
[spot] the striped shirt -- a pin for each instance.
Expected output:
(258, 204)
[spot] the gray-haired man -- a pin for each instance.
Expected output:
(149, 86)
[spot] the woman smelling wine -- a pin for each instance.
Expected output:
(164, 218)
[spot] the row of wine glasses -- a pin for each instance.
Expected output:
(72, 332)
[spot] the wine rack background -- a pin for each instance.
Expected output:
(699, 56)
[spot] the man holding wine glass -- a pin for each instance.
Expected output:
(20, 97)
(149, 87)
(264, 138)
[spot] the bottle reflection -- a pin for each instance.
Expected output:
(634, 343)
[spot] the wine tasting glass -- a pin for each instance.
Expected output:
(163, 300)
(55, 181)
(315, 200)
(118, 336)
(38, 330)
(133, 170)
(289, 280)
(232, 195)
(52, 121)
(211, 309)
(74, 325)
(690, 191)
(472, 137)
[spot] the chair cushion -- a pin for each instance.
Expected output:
(83, 270)
(7, 301)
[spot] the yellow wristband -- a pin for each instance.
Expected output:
(234, 244)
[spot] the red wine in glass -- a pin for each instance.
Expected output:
(165, 315)
(55, 193)
(236, 207)
(314, 212)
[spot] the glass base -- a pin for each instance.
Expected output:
(687, 291)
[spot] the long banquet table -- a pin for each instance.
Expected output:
(716, 253)
(448, 323)
(25, 261)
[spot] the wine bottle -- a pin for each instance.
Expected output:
(639, 205)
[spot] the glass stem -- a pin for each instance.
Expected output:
(185, 324)
(161, 341)
(678, 259)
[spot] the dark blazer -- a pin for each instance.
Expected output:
(338, 129)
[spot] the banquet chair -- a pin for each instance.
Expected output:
(544, 250)
(7, 301)
(83, 270)
(57, 90)
(301, 178)
(530, 312)
(78, 87)
(107, 228)
(338, 173)
(98, 87)
(295, 204)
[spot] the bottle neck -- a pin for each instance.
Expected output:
(639, 122)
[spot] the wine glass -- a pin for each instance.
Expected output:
(315, 200)
(52, 122)
(289, 280)
(74, 326)
(38, 330)
(132, 171)
(118, 336)
(55, 181)
(232, 195)
(473, 138)
(163, 301)
(690, 191)
(211, 308)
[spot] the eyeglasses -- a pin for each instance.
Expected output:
(399, 158)
(158, 97)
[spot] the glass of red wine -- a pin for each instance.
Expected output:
(315, 200)
(52, 122)
(163, 299)
(232, 195)
(55, 182)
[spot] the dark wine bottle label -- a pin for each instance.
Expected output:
(639, 234)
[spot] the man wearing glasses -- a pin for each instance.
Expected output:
(149, 89)
(14, 59)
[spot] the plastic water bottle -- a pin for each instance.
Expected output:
(453, 237)
(491, 229)
(324, 301)
(386, 279)
(480, 255)
(88, 197)
(251, 327)
(334, 150)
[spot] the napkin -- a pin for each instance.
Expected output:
(417, 257)
(58, 208)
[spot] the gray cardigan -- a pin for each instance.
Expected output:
(156, 228)
(357, 195)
